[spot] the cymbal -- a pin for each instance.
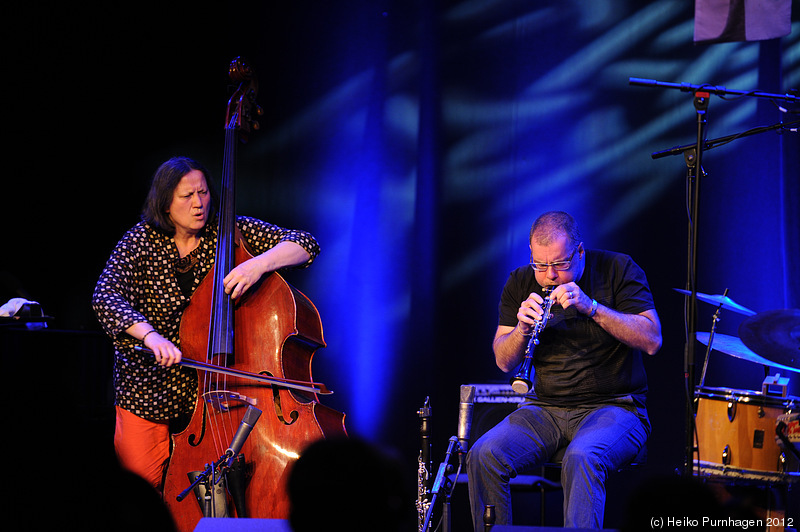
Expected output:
(731, 345)
(717, 299)
(775, 335)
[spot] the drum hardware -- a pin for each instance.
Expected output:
(731, 410)
(776, 385)
(720, 301)
(726, 455)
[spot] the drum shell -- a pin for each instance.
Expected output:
(736, 434)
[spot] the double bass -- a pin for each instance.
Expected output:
(252, 355)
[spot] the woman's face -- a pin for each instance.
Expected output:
(189, 208)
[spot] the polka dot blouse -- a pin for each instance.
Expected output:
(140, 283)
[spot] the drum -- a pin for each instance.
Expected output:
(736, 436)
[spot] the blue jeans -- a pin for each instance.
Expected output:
(597, 439)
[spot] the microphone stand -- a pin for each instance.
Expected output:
(442, 482)
(210, 479)
(693, 156)
(230, 463)
(694, 172)
(709, 144)
(712, 89)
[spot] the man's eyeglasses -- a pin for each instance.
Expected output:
(559, 266)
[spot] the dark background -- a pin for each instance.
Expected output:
(417, 141)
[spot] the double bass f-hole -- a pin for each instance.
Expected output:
(276, 402)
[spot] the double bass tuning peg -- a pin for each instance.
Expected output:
(259, 111)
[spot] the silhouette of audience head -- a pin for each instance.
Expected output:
(351, 484)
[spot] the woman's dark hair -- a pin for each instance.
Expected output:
(162, 189)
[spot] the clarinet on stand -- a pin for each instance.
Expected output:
(424, 479)
(442, 483)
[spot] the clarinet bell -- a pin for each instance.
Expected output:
(521, 383)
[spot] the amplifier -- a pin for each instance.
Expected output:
(493, 402)
(496, 393)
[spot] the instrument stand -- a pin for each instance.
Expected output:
(442, 482)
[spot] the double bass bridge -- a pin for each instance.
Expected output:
(223, 401)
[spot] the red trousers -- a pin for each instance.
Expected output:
(142, 446)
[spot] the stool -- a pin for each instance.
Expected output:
(528, 483)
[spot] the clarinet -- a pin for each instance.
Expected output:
(522, 383)
(424, 465)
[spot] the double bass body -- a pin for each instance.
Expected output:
(272, 330)
(277, 331)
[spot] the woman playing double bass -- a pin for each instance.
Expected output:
(146, 285)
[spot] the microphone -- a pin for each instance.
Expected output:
(245, 427)
(465, 416)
